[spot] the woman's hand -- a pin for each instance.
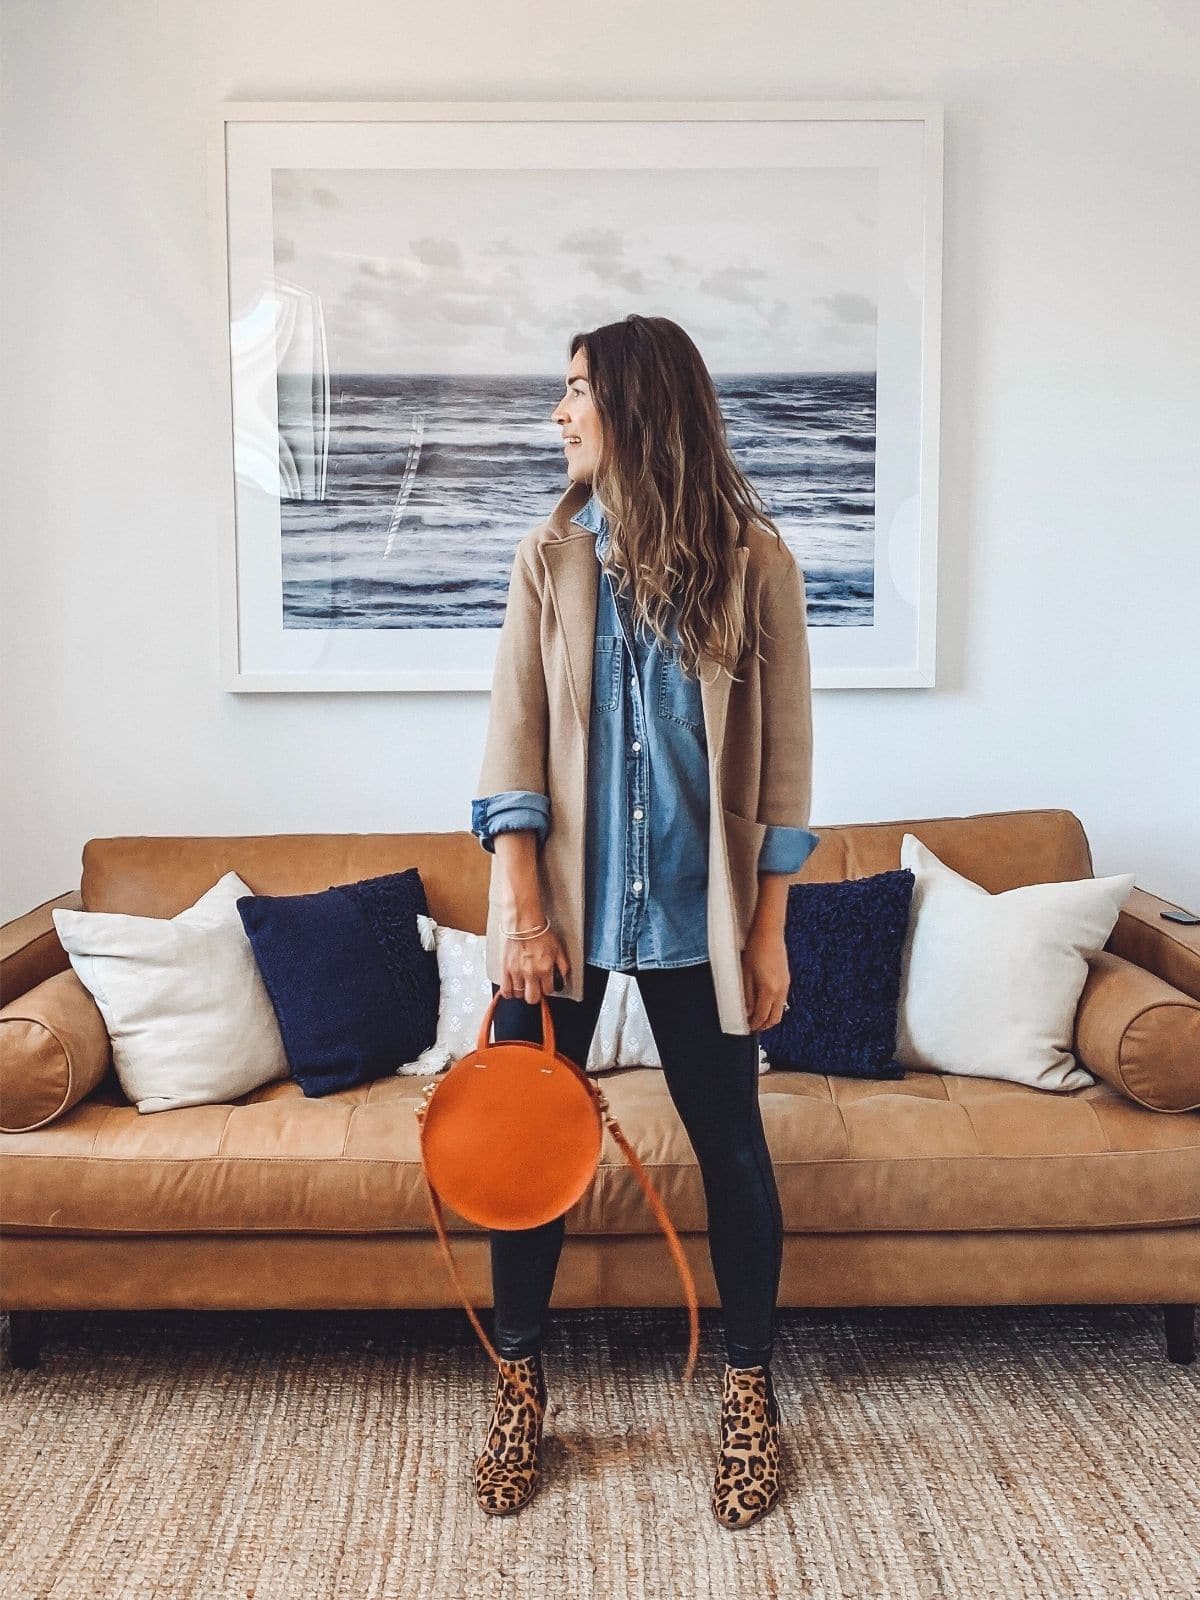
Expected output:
(529, 965)
(765, 975)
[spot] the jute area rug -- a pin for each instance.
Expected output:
(1044, 1452)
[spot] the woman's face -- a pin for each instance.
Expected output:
(577, 417)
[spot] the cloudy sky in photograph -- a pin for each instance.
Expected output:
(473, 271)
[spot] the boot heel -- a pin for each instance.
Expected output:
(507, 1469)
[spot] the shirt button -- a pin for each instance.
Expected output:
(637, 744)
(637, 886)
(637, 813)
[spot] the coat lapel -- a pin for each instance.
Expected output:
(572, 577)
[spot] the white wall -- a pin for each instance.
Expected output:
(1069, 602)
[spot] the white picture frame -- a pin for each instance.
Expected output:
(366, 545)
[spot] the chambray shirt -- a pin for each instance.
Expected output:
(646, 846)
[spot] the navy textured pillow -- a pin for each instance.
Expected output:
(353, 988)
(844, 944)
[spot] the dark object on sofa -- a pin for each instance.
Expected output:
(844, 943)
(354, 990)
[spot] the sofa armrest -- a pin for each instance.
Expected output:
(1166, 948)
(54, 1050)
(29, 947)
(1139, 1034)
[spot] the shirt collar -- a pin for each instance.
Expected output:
(591, 517)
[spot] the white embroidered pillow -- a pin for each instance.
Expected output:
(622, 1037)
(636, 1046)
(466, 993)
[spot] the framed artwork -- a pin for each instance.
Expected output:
(399, 284)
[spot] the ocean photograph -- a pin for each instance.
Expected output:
(430, 480)
(413, 337)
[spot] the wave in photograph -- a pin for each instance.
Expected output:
(429, 481)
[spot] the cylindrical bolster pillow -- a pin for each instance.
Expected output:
(54, 1050)
(1139, 1034)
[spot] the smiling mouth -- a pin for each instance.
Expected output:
(571, 441)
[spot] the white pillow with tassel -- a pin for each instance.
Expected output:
(622, 1037)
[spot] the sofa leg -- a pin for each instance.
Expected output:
(1179, 1323)
(24, 1338)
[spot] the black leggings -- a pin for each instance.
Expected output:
(712, 1078)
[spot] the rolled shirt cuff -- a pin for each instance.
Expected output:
(786, 849)
(507, 812)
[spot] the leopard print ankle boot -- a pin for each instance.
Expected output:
(746, 1484)
(506, 1470)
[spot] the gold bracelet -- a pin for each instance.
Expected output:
(525, 933)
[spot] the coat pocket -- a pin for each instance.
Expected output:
(743, 842)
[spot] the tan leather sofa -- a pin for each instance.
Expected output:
(931, 1190)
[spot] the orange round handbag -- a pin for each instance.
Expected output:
(511, 1136)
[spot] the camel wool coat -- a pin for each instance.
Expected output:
(758, 733)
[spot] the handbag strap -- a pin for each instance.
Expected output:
(631, 1155)
(665, 1223)
(444, 1243)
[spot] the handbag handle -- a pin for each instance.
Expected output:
(631, 1155)
(485, 1027)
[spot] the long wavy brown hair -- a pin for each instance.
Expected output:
(665, 476)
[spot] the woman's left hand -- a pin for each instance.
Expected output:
(765, 976)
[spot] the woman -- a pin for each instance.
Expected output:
(650, 744)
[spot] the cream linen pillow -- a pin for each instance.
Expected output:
(622, 1037)
(189, 1017)
(989, 983)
